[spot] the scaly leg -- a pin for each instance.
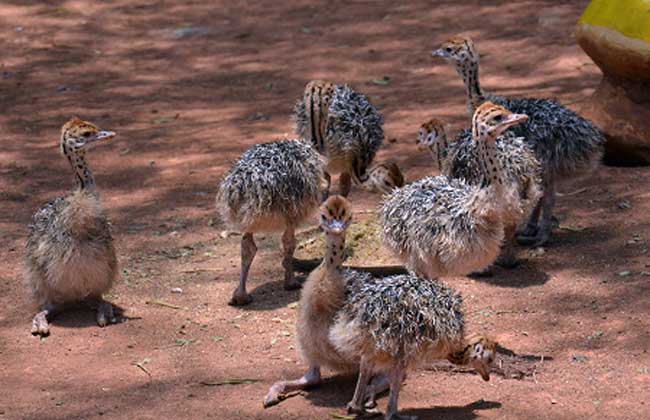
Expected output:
(547, 223)
(345, 183)
(531, 227)
(378, 384)
(105, 313)
(40, 325)
(248, 250)
(395, 378)
(546, 205)
(328, 184)
(507, 258)
(289, 246)
(279, 389)
(356, 406)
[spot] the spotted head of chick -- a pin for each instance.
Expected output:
(335, 215)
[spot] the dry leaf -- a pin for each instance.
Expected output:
(229, 382)
(163, 120)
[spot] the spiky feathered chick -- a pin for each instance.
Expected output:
(460, 159)
(351, 321)
(567, 145)
(441, 226)
(70, 251)
(273, 187)
(346, 129)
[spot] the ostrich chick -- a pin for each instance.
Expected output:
(460, 159)
(272, 187)
(345, 128)
(384, 178)
(70, 251)
(567, 145)
(349, 321)
(441, 226)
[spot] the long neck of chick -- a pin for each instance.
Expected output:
(490, 164)
(83, 174)
(439, 151)
(468, 71)
(334, 251)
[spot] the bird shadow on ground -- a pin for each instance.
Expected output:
(84, 314)
(524, 275)
(272, 295)
(457, 413)
(335, 391)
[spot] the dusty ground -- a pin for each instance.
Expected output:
(189, 85)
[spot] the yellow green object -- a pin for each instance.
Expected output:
(629, 17)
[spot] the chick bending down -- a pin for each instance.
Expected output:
(380, 327)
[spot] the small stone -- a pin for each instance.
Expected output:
(177, 290)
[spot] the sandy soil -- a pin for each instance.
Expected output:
(189, 85)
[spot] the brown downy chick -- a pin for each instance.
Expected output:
(70, 252)
(322, 296)
(384, 178)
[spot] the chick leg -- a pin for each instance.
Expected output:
(507, 258)
(40, 324)
(356, 406)
(248, 250)
(289, 246)
(278, 390)
(105, 314)
(395, 378)
(546, 225)
(531, 227)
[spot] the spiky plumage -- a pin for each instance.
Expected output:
(442, 227)
(561, 139)
(401, 315)
(270, 184)
(343, 125)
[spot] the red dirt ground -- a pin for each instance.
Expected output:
(187, 102)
